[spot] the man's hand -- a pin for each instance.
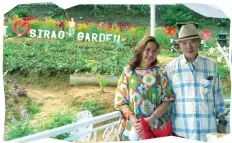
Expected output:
(221, 129)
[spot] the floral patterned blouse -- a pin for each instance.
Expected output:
(142, 91)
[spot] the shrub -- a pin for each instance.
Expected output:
(223, 71)
(162, 38)
(92, 106)
(18, 129)
(57, 118)
(211, 42)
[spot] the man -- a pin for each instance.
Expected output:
(197, 90)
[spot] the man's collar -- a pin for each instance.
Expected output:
(184, 60)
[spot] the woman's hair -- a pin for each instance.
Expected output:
(138, 51)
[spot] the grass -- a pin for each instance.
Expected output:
(226, 92)
(92, 106)
(33, 106)
(42, 81)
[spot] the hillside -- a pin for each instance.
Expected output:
(137, 14)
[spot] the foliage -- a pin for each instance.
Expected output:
(224, 22)
(12, 89)
(166, 14)
(133, 36)
(18, 129)
(141, 10)
(92, 106)
(102, 82)
(95, 12)
(51, 58)
(55, 25)
(173, 13)
(14, 125)
(24, 126)
(33, 106)
(223, 71)
(162, 38)
(168, 53)
(57, 118)
(211, 42)
(21, 12)
(226, 92)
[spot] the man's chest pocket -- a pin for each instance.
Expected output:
(205, 88)
(190, 87)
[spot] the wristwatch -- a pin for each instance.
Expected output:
(223, 122)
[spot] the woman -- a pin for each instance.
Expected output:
(142, 90)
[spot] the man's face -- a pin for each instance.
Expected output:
(190, 48)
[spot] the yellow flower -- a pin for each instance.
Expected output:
(82, 26)
(51, 21)
(91, 61)
(133, 29)
(116, 31)
(34, 21)
(18, 19)
(66, 24)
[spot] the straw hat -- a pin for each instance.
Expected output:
(188, 31)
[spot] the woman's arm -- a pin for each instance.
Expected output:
(160, 110)
(129, 115)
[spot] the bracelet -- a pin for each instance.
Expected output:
(153, 115)
(223, 122)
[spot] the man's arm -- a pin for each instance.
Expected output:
(219, 103)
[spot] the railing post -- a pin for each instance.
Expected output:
(95, 136)
(152, 20)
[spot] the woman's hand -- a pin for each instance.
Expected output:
(137, 125)
(150, 119)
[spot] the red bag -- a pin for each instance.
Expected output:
(147, 132)
(165, 131)
(157, 132)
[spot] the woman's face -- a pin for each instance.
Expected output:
(149, 54)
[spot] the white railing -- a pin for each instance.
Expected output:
(71, 127)
(74, 126)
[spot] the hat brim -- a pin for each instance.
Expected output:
(182, 39)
